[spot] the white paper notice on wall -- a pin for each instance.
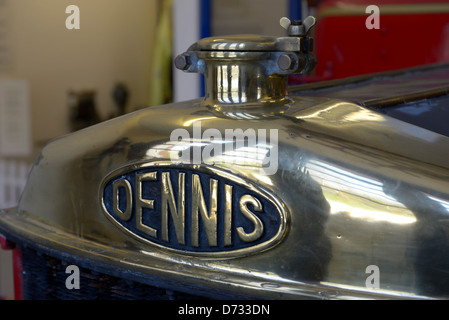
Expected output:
(15, 123)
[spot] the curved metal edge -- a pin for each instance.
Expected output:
(365, 77)
(186, 276)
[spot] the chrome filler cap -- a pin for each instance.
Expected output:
(251, 69)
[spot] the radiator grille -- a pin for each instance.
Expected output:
(44, 278)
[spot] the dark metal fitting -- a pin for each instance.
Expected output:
(286, 62)
(182, 62)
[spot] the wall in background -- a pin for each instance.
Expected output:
(248, 16)
(113, 44)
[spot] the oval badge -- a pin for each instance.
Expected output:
(194, 210)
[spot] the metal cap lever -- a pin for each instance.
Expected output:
(298, 28)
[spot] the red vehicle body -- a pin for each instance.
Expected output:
(410, 33)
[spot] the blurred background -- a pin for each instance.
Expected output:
(55, 80)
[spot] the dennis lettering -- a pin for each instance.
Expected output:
(197, 212)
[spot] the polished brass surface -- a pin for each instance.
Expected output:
(354, 188)
(240, 84)
(352, 202)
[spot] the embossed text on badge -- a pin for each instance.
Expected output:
(196, 210)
